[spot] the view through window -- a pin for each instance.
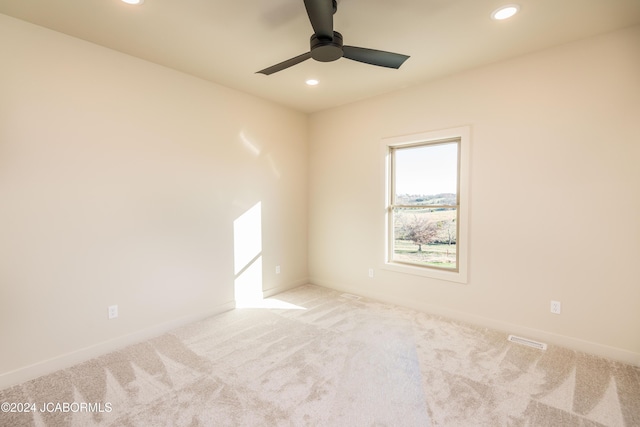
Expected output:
(425, 204)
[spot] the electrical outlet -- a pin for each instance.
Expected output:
(277, 269)
(371, 272)
(556, 307)
(113, 311)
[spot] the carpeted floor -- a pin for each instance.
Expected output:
(324, 359)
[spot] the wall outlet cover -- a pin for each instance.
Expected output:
(113, 311)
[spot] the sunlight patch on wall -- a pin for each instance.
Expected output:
(250, 145)
(247, 260)
(247, 256)
(273, 166)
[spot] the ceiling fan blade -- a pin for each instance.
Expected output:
(321, 16)
(374, 57)
(285, 64)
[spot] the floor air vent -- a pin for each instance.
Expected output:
(350, 296)
(527, 342)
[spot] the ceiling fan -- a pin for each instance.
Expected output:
(327, 46)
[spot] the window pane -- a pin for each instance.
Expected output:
(426, 175)
(425, 237)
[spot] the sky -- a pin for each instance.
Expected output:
(427, 170)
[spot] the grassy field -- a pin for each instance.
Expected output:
(434, 255)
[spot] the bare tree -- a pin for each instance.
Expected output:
(451, 230)
(419, 230)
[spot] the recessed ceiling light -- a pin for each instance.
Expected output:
(312, 82)
(505, 12)
(133, 1)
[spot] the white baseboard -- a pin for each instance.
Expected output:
(273, 291)
(596, 349)
(65, 361)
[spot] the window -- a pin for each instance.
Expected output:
(426, 214)
(424, 204)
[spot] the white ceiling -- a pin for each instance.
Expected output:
(228, 41)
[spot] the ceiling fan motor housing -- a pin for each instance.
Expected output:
(325, 49)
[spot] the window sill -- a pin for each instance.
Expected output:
(451, 276)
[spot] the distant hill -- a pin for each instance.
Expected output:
(425, 200)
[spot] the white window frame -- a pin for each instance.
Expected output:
(462, 134)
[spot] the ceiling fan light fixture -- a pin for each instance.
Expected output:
(134, 2)
(505, 12)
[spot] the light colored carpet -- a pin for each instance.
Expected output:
(328, 360)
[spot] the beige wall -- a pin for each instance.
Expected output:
(120, 181)
(555, 194)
